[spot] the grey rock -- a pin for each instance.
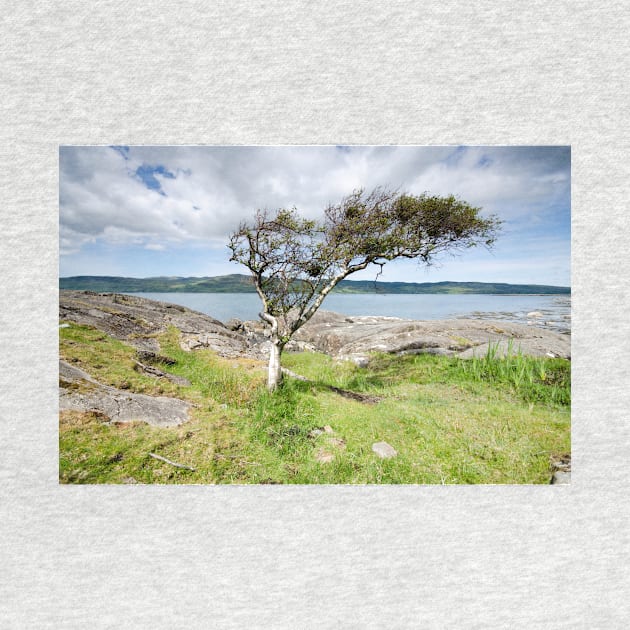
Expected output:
(137, 321)
(299, 346)
(331, 333)
(561, 477)
(80, 392)
(361, 361)
(153, 371)
(384, 450)
(151, 357)
(234, 324)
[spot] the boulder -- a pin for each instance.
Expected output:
(234, 324)
(333, 334)
(137, 321)
(80, 392)
(384, 450)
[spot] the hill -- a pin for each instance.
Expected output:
(240, 283)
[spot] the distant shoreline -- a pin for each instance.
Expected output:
(241, 283)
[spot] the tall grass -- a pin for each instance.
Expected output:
(533, 379)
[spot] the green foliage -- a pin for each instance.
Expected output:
(296, 262)
(534, 380)
(240, 283)
(234, 283)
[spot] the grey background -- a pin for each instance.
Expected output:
(314, 557)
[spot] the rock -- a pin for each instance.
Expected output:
(331, 333)
(217, 340)
(148, 369)
(299, 346)
(384, 450)
(80, 392)
(324, 457)
(315, 433)
(178, 380)
(535, 314)
(137, 321)
(151, 357)
(361, 361)
(561, 477)
(234, 324)
(328, 429)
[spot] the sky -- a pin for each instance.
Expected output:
(144, 211)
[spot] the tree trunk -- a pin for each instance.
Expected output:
(274, 377)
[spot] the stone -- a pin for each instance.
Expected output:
(151, 357)
(360, 361)
(324, 457)
(384, 450)
(315, 433)
(328, 429)
(80, 392)
(138, 321)
(234, 324)
(332, 334)
(561, 477)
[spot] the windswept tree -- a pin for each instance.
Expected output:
(296, 263)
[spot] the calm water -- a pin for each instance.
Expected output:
(555, 309)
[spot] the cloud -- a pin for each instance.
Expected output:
(161, 198)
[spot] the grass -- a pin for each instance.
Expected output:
(534, 379)
(485, 420)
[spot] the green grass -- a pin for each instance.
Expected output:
(486, 420)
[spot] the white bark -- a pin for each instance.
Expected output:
(274, 376)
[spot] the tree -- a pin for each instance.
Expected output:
(296, 263)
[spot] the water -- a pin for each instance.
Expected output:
(555, 309)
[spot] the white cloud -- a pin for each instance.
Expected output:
(214, 188)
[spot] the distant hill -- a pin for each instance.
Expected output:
(240, 283)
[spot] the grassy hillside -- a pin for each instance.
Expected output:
(450, 420)
(240, 283)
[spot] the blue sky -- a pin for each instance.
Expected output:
(144, 211)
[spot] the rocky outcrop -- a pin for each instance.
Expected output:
(78, 391)
(137, 321)
(354, 337)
